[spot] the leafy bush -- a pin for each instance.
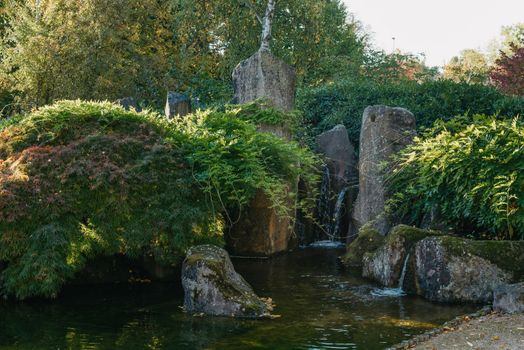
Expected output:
(344, 102)
(80, 180)
(467, 172)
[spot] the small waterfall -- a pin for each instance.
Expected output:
(329, 219)
(337, 216)
(394, 292)
(324, 207)
(403, 274)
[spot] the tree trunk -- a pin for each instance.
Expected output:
(266, 25)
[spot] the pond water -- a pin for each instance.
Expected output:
(322, 306)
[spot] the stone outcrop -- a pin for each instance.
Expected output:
(260, 231)
(509, 298)
(213, 287)
(385, 264)
(451, 269)
(385, 131)
(128, 103)
(340, 157)
(177, 105)
(339, 185)
(367, 241)
(263, 76)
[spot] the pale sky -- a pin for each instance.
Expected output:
(440, 29)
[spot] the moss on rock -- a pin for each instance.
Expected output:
(367, 241)
(385, 264)
(212, 286)
(507, 255)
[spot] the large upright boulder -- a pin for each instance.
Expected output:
(340, 157)
(260, 231)
(177, 105)
(263, 76)
(385, 131)
(213, 287)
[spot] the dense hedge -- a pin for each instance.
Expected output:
(345, 101)
(467, 173)
(80, 180)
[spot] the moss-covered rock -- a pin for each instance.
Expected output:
(385, 264)
(213, 287)
(452, 269)
(367, 241)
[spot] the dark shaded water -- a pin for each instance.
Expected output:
(322, 307)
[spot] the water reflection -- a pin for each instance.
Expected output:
(322, 307)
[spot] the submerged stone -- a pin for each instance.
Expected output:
(452, 269)
(509, 298)
(385, 264)
(213, 287)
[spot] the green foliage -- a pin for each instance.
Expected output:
(93, 49)
(106, 49)
(471, 67)
(345, 101)
(80, 180)
(466, 172)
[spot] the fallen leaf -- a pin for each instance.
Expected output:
(470, 344)
(496, 337)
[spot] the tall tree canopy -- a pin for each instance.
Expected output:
(508, 73)
(105, 49)
(470, 67)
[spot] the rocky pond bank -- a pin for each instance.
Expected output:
(484, 330)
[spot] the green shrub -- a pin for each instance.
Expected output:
(345, 101)
(467, 172)
(80, 180)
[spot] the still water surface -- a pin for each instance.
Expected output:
(321, 305)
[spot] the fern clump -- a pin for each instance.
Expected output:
(80, 180)
(468, 173)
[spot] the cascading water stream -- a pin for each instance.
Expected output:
(394, 292)
(334, 234)
(329, 220)
(324, 208)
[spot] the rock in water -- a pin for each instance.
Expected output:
(260, 231)
(263, 76)
(334, 144)
(385, 264)
(213, 287)
(385, 131)
(177, 105)
(450, 269)
(509, 298)
(128, 103)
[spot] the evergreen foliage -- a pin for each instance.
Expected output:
(344, 102)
